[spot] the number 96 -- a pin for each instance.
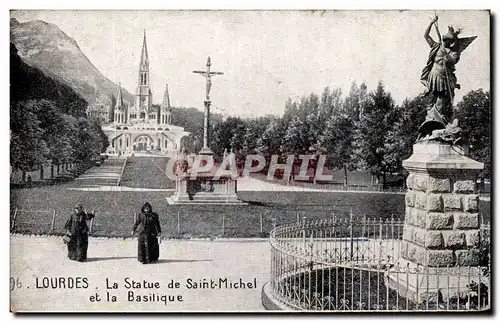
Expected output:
(15, 283)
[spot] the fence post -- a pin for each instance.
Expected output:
(178, 222)
(223, 223)
(91, 224)
(363, 227)
(304, 232)
(14, 219)
(53, 220)
(261, 223)
(351, 233)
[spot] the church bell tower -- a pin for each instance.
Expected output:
(143, 93)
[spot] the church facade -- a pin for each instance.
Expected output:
(142, 127)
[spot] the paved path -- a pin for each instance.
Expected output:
(107, 174)
(115, 259)
(119, 188)
(252, 184)
(244, 184)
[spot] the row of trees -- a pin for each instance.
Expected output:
(365, 130)
(41, 135)
(47, 121)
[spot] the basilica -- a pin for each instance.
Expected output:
(142, 127)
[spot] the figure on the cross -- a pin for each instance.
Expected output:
(208, 75)
(209, 85)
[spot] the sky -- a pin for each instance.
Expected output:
(268, 56)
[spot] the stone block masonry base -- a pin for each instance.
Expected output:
(441, 229)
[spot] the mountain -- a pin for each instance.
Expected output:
(48, 48)
(30, 83)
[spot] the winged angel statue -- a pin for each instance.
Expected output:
(438, 76)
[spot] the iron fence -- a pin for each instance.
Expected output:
(354, 264)
(32, 221)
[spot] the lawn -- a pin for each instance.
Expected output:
(141, 172)
(115, 210)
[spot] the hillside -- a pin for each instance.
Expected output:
(48, 48)
(27, 82)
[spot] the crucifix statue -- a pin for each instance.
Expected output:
(208, 76)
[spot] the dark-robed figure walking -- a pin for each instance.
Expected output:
(147, 226)
(78, 232)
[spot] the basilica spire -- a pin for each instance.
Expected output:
(119, 98)
(144, 64)
(165, 109)
(143, 93)
(166, 99)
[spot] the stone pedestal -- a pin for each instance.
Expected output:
(205, 189)
(441, 228)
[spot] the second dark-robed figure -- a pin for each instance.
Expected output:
(148, 228)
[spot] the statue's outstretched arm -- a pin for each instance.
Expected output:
(427, 35)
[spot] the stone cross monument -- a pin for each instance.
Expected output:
(206, 187)
(206, 124)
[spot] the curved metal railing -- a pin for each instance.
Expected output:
(354, 264)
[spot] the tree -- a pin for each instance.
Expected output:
(351, 104)
(28, 149)
(295, 141)
(89, 140)
(374, 125)
(56, 130)
(395, 145)
(337, 143)
(227, 134)
(238, 138)
(254, 130)
(291, 110)
(474, 117)
(404, 132)
(194, 141)
(101, 137)
(270, 141)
